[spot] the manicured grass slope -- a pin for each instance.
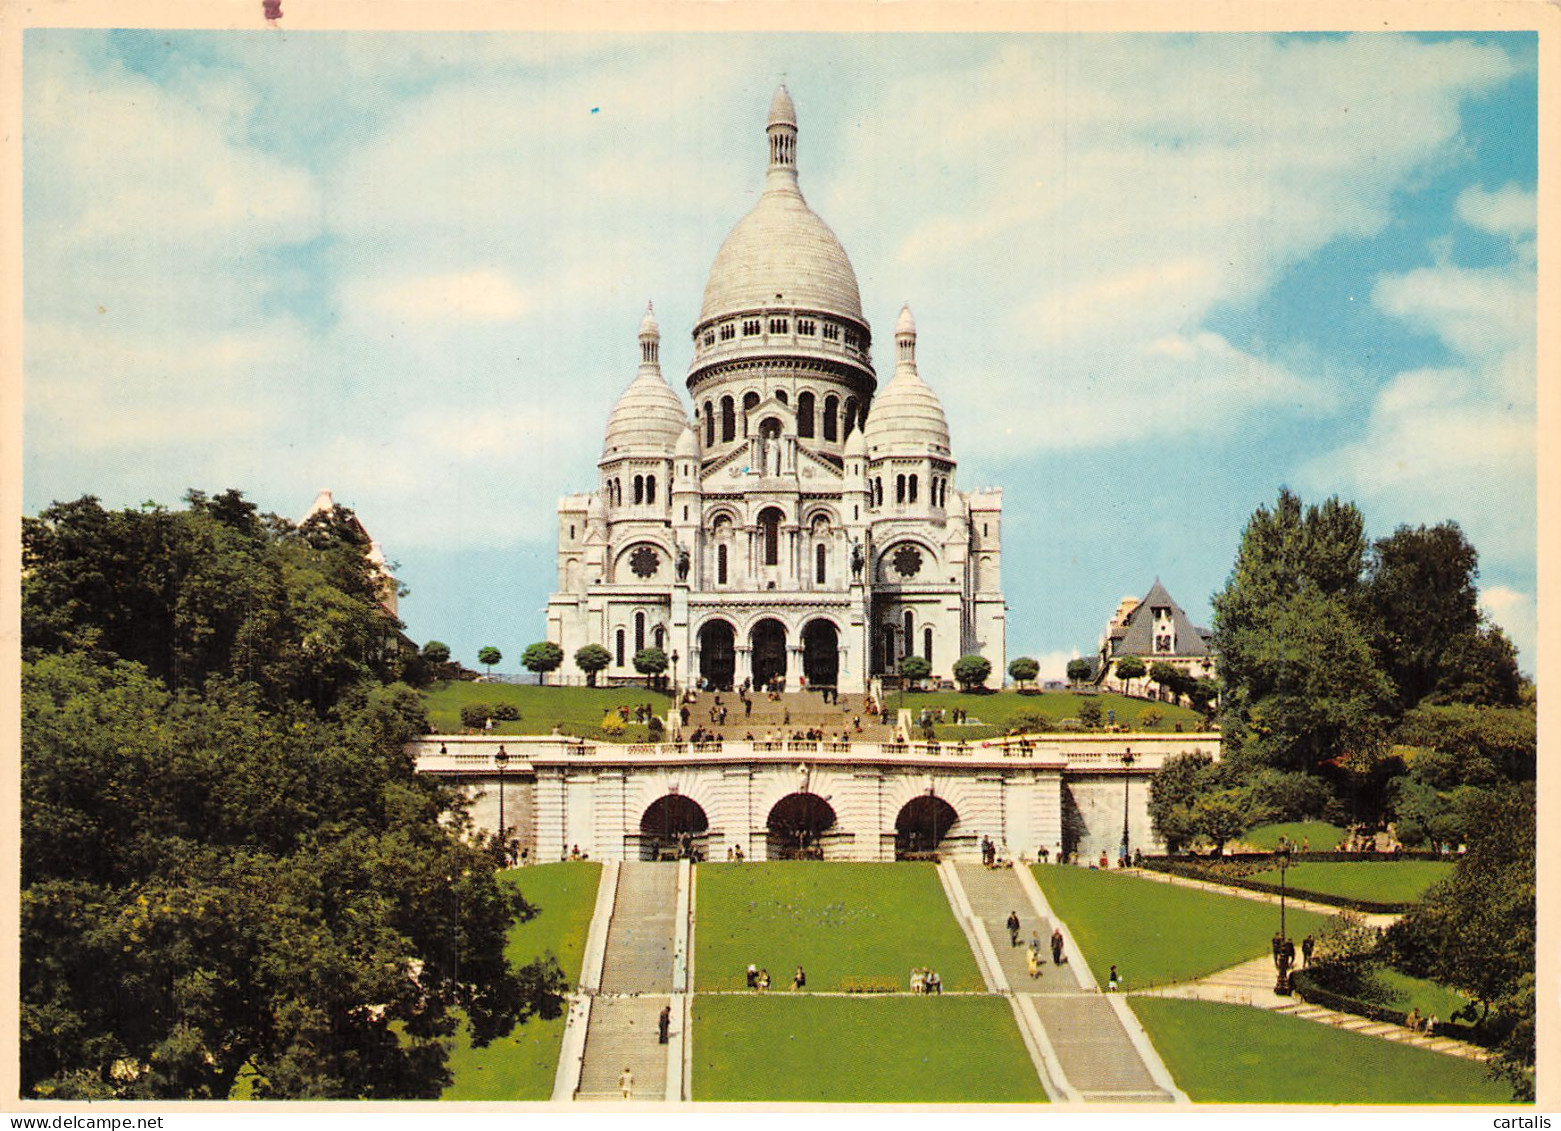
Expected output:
(836, 920)
(1158, 933)
(996, 711)
(1430, 998)
(575, 710)
(1320, 836)
(861, 1049)
(1384, 881)
(521, 1066)
(1220, 1053)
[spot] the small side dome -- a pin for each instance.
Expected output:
(688, 443)
(856, 444)
(907, 419)
(648, 416)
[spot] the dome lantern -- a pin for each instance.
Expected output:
(648, 418)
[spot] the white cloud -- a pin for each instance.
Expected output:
(1514, 611)
(1508, 211)
(473, 296)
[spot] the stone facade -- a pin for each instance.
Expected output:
(802, 524)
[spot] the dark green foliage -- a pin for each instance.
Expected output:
(506, 712)
(650, 661)
(1194, 798)
(1476, 930)
(914, 669)
(1091, 713)
(1168, 677)
(1130, 668)
(488, 655)
(476, 715)
(1024, 669)
(1079, 669)
(542, 657)
(209, 883)
(591, 659)
(1486, 742)
(436, 652)
(971, 671)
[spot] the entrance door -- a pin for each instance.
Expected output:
(717, 654)
(769, 652)
(821, 653)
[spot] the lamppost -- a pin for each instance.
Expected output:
(674, 672)
(1284, 951)
(1127, 781)
(501, 759)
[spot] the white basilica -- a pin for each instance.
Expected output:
(804, 524)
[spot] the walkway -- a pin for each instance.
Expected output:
(636, 984)
(1252, 983)
(1090, 1043)
(794, 711)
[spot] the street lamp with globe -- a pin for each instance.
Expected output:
(501, 759)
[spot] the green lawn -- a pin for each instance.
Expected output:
(996, 711)
(838, 921)
(1381, 881)
(1157, 933)
(1430, 998)
(1220, 1053)
(574, 710)
(521, 1065)
(1320, 836)
(780, 1048)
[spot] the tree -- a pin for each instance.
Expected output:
(1421, 588)
(1168, 677)
(1090, 712)
(542, 657)
(1224, 815)
(436, 652)
(1023, 670)
(1204, 694)
(1130, 668)
(1079, 670)
(914, 669)
(1173, 792)
(971, 671)
(650, 661)
(488, 656)
(591, 659)
(1479, 667)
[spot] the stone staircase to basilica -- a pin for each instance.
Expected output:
(794, 712)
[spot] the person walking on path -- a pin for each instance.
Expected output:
(1057, 946)
(1032, 962)
(664, 1024)
(1113, 980)
(626, 1082)
(1013, 928)
(1308, 944)
(799, 980)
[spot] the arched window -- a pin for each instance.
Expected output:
(720, 564)
(620, 648)
(831, 418)
(650, 489)
(639, 633)
(888, 646)
(639, 489)
(899, 488)
(709, 425)
(926, 644)
(850, 417)
(878, 491)
(659, 637)
(728, 420)
(780, 395)
(910, 632)
(819, 558)
(805, 415)
(769, 530)
(912, 492)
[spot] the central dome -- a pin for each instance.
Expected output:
(781, 253)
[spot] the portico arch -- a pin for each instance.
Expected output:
(717, 653)
(821, 653)
(673, 826)
(921, 825)
(768, 639)
(797, 825)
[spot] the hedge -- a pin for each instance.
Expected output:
(1306, 987)
(1214, 875)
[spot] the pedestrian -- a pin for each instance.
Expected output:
(934, 982)
(918, 980)
(1035, 941)
(799, 980)
(1013, 928)
(753, 976)
(764, 980)
(1308, 944)
(664, 1024)
(1113, 980)
(1057, 946)
(1032, 962)
(626, 1082)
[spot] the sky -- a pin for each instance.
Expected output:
(1155, 278)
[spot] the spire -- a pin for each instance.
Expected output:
(905, 340)
(782, 132)
(650, 338)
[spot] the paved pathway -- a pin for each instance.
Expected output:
(1085, 1035)
(636, 984)
(1252, 983)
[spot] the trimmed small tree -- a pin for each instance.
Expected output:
(1078, 670)
(1130, 668)
(436, 652)
(914, 669)
(1024, 670)
(971, 671)
(488, 656)
(650, 661)
(591, 659)
(1090, 712)
(542, 657)
(1168, 677)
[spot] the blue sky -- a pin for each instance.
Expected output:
(1154, 278)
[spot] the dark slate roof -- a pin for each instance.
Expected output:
(1137, 637)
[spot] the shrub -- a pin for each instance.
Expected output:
(612, 723)
(656, 726)
(476, 715)
(506, 712)
(971, 671)
(1090, 712)
(1150, 719)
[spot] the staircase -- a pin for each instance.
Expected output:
(1084, 1028)
(794, 712)
(636, 984)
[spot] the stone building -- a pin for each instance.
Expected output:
(1156, 629)
(800, 523)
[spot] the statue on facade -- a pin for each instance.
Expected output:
(856, 559)
(682, 563)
